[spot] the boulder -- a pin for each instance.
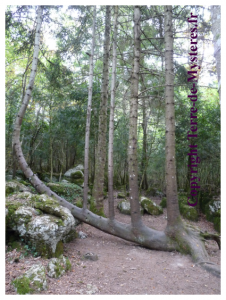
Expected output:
(163, 202)
(188, 212)
(14, 186)
(150, 206)
(77, 171)
(124, 207)
(121, 195)
(33, 281)
(42, 222)
(58, 266)
(211, 209)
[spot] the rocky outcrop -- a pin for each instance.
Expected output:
(41, 222)
(33, 281)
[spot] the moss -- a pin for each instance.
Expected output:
(59, 249)
(77, 174)
(12, 206)
(22, 285)
(189, 212)
(69, 191)
(163, 202)
(151, 192)
(150, 206)
(68, 264)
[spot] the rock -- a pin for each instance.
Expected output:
(188, 212)
(79, 168)
(90, 256)
(211, 209)
(91, 289)
(14, 186)
(42, 222)
(124, 207)
(58, 266)
(65, 181)
(150, 206)
(33, 281)
(82, 235)
(151, 192)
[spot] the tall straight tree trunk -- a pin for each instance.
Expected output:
(171, 182)
(101, 145)
(88, 117)
(111, 123)
(132, 150)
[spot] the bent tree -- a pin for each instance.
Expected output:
(177, 235)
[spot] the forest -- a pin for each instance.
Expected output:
(116, 110)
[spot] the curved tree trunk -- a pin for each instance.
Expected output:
(179, 238)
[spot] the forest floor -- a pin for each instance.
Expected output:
(125, 268)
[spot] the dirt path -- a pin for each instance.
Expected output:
(125, 268)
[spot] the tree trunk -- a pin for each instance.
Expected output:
(216, 30)
(101, 145)
(88, 117)
(132, 150)
(171, 183)
(111, 123)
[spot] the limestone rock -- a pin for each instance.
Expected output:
(14, 186)
(42, 222)
(33, 281)
(58, 266)
(124, 207)
(79, 169)
(150, 206)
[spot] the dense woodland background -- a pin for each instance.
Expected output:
(53, 130)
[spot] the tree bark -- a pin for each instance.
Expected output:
(132, 150)
(88, 117)
(171, 183)
(111, 122)
(101, 145)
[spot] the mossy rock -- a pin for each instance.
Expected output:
(77, 174)
(212, 209)
(14, 186)
(163, 202)
(58, 266)
(124, 207)
(189, 212)
(93, 208)
(150, 206)
(204, 197)
(33, 281)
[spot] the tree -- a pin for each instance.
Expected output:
(177, 235)
(100, 159)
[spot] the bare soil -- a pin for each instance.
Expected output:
(125, 268)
